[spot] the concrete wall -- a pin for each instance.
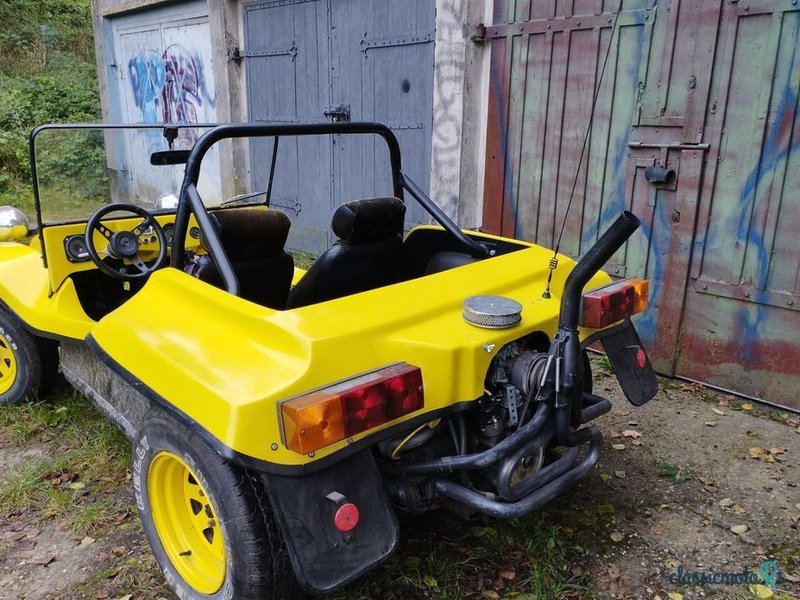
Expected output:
(461, 70)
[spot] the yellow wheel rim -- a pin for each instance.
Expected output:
(8, 365)
(186, 522)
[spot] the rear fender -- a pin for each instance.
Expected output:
(324, 558)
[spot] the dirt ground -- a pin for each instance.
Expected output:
(694, 479)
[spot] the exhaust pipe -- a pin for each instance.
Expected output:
(590, 263)
(564, 383)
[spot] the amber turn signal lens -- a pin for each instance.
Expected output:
(613, 302)
(324, 417)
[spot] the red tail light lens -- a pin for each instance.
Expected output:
(614, 302)
(329, 415)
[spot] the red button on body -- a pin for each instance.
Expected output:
(346, 517)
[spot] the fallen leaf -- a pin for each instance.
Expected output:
(707, 481)
(761, 591)
(797, 506)
(617, 536)
(125, 597)
(674, 596)
(790, 577)
(619, 474)
(87, 541)
(618, 447)
(717, 411)
(671, 563)
(631, 433)
(777, 451)
(752, 433)
(798, 430)
(605, 477)
(615, 434)
(738, 509)
(658, 530)
(756, 452)
(118, 550)
(60, 410)
(430, 581)
(739, 529)
(508, 574)
(77, 485)
(412, 562)
(710, 424)
(490, 595)
(746, 406)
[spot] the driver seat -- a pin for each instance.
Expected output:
(366, 255)
(253, 238)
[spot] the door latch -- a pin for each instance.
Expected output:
(338, 114)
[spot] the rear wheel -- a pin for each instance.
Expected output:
(27, 364)
(208, 522)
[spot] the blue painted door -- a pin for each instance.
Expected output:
(371, 61)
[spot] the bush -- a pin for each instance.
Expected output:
(47, 74)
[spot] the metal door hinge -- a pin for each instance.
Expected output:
(239, 53)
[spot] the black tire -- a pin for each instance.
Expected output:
(256, 561)
(34, 359)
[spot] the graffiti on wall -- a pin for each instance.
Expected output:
(169, 87)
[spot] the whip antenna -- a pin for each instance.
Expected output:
(553, 264)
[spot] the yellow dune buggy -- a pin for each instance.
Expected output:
(281, 416)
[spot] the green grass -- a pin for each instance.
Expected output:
(84, 462)
(447, 559)
(303, 260)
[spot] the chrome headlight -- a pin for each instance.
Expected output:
(14, 224)
(166, 202)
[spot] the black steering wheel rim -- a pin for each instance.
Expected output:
(120, 242)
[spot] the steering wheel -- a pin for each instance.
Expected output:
(124, 245)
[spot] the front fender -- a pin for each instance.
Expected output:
(25, 291)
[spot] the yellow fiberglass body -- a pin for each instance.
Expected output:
(226, 364)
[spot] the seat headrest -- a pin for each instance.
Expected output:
(251, 232)
(369, 220)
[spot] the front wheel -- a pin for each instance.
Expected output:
(28, 364)
(208, 522)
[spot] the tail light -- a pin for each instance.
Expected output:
(334, 413)
(613, 302)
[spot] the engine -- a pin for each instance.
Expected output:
(510, 389)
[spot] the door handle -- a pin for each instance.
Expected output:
(338, 114)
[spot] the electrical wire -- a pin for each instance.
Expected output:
(553, 264)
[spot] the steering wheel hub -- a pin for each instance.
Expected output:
(123, 244)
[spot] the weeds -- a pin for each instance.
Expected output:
(64, 485)
(522, 558)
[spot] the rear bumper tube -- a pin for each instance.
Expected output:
(537, 498)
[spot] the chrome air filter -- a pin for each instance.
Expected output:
(492, 312)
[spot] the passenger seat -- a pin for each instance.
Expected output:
(366, 255)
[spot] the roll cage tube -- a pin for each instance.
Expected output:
(190, 201)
